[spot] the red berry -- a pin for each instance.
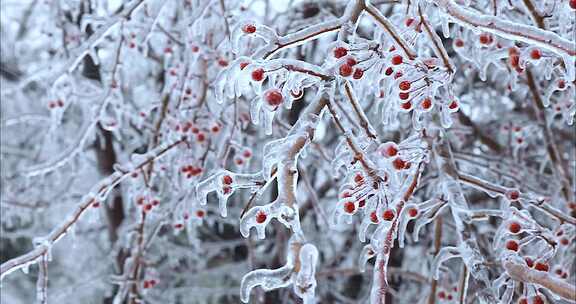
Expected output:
(523, 301)
(351, 61)
(345, 194)
(358, 73)
(513, 195)
(249, 28)
(399, 164)
(362, 203)
(426, 103)
(359, 179)
(345, 70)
(514, 60)
(155, 202)
(388, 215)
(397, 59)
(442, 295)
(200, 213)
(226, 190)
(573, 4)
(459, 43)
(406, 106)
(398, 74)
(514, 227)
(247, 154)
(449, 297)
(227, 180)
(243, 65)
(541, 266)
(258, 74)
(512, 245)
(535, 54)
(529, 262)
(146, 284)
(273, 97)
(564, 241)
(260, 217)
(374, 217)
(178, 226)
(404, 85)
(389, 150)
(485, 38)
(147, 207)
(413, 212)
(349, 207)
(453, 105)
(222, 63)
(537, 300)
(215, 129)
(409, 21)
(389, 71)
(195, 49)
(561, 84)
(200, 137)
(96, 204)
(404, 95)
(340, 52)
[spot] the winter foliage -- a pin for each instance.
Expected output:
(288, 151)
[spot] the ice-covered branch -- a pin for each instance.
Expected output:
(525, 274)
(98, 194)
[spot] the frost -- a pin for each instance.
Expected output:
(209, 151)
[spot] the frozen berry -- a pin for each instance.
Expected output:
(349, 207)
(273, 97)
(514, 227)
(227, 180)
(512, 245)
(258, 74)
(388, 215)
(397, 59)
(358, 73)
(249, 28)
(340, 52)
(260, 217)
(345, 70)
(535, 54)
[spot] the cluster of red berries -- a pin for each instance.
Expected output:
(242, 158)
(55, 103)
(147, 206)
(200, 136)
(537, 299)
(562, 239)
(191, 170)
(540, 266)
(227, 181)
(149, 283)
(347, 68)
(350, 204)
(445, 295)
